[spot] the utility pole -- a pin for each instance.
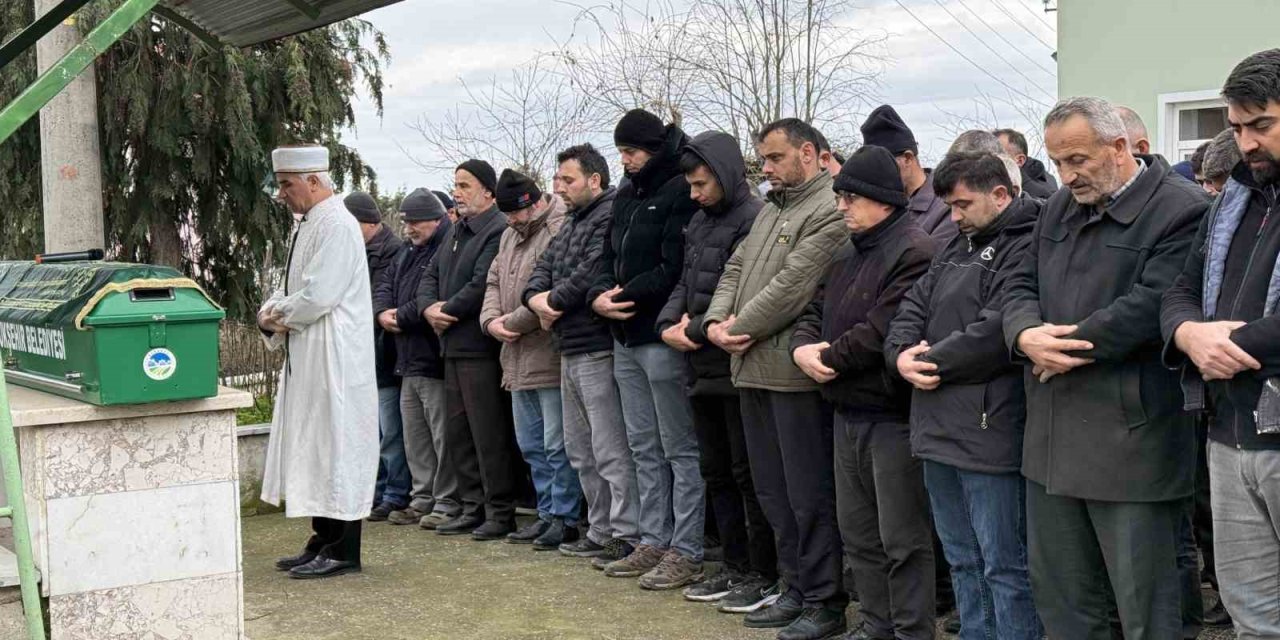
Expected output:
(70, 153)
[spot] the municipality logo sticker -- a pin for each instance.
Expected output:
(159, 364)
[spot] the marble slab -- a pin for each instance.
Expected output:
(33, 408)
(137, 537)
(206, 608)
(137, 453)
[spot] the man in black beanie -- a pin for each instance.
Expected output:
(450, 208)
(885, 128)
(479, 437)
(839, 343)
(381, 247)
(433, 497)
(642, 261)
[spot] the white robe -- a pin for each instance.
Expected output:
(322, 456)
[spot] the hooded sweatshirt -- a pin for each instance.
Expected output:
(1036, 181)
(712, 236)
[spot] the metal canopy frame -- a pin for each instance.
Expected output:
(61, 74)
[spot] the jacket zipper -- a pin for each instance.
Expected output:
(1235, 303)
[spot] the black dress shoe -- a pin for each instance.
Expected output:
(816, 623)
(557, 534)
(323, 567)
(779, 614)
(285, 564)
(860, 633)
(493, 530)
(459, 526)
(528, 533)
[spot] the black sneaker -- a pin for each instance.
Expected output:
(460, 525)
(951, 624)
(715, 587)
(557, 533)
(528, 533)
(380, 512)
(751, 595)
(583, 548)
(614, 549)
(781, 613)
(816, 623)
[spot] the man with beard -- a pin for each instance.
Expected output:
(1219, 323)
(433, 499)
(479, 438)
(717, 176)
(1108, 453)
(640, 266)
(766, 285)
(595, 438)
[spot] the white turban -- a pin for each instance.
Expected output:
(300, 159)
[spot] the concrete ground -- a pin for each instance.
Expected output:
(420, 586)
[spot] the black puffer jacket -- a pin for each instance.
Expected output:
(417, 347)
(567, 268)
(712, 236)
(458, 275)
(1036, 181)
(852, 309)
(974, 419)
(382, 250)
(645, 251)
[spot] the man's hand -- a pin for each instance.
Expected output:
(809, 359)
(437, 318)
(1209, 346)
(718, 334)
(541, 305)
(269, 319)
(1047, 345)
(387, 320)
(919, 373)
(675, 336)
(605, 306)
(498, 329)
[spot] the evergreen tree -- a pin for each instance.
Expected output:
(187, 132)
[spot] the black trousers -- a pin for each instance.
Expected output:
(789, 443)
(739, 521)
(887, 527)
(335, 539)
(479, 437)
(1078, 548)
(1202, 518)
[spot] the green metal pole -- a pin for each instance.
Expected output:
(18, 511)
(71, 65)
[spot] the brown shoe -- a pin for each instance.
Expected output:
(407, 515)
(637, 564)
(673, 572)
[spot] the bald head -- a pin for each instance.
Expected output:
(1135, 130)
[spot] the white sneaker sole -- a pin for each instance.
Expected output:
(714, 597)
(751, 608)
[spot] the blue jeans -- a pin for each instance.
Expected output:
(540, 434)
(655, 407)
(982, 522)
(393, 469)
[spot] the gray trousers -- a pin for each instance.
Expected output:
(435, 484)
(1077, 546)
(652, 379)
(1245, 491)
(596, 441)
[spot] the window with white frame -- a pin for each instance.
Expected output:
(1188, 120)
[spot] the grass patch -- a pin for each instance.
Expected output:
(259, 413)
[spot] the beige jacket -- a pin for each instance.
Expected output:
(772, 276)
(531, 362)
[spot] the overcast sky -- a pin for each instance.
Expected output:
(435, 42)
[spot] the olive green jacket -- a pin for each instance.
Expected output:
(772, 276)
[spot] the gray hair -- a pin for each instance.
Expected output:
(976, 141)
(325, 179)
(1221, 157)
(1100, 114)
(1015, 172)
(1133, 124)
